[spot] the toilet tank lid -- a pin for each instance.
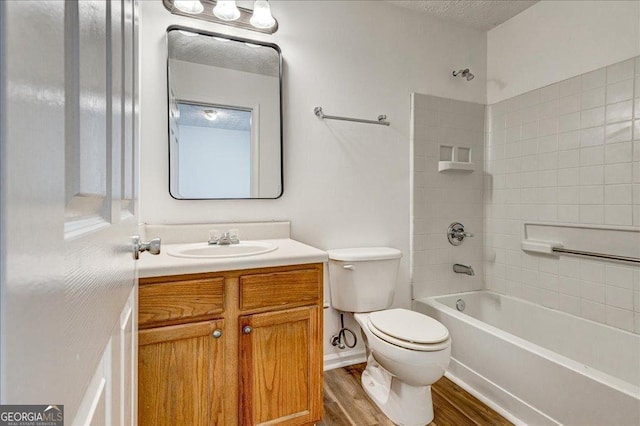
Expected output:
(364, 254)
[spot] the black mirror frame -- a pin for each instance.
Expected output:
(242, 40)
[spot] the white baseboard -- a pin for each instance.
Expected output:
(344, 358)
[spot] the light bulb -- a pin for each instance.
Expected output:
(262, 17)
(189, 6)
(210, 114)
(226, 10)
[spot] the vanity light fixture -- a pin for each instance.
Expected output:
(227, 12)
(210, 114)
(189, 6)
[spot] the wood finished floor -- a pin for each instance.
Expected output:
(346, 404)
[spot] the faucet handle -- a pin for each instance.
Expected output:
(232, 234)
(456, 233)
(214, 236)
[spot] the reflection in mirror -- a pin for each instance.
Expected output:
(224, 117)
(210, 132)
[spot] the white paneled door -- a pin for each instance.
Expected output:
(68, 207)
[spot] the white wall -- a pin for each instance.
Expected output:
(555, 40)
(345, 184)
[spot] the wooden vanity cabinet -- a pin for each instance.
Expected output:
(238, 347)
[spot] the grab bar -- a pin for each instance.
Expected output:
(598, 255)
(382, 119)
(549, 247)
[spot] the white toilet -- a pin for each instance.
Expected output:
(407, 351)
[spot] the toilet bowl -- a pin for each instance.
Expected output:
(406, 351)
(400, 372)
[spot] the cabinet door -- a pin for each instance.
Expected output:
(281, 367)
(180, 375)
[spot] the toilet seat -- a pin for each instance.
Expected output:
(409, 329)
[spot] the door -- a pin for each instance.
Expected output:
(281, 367)
(181, 374)
(68, 207)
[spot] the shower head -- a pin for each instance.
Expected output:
(464, 73)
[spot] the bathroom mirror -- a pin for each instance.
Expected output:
(225, 116)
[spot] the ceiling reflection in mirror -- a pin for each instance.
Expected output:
(225, 138)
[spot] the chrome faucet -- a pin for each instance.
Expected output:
(456, 233)
(463, 269)
(228, 237)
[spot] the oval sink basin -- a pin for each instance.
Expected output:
(244, 248)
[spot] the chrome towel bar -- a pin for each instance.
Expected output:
(598, 255)
(382, 119)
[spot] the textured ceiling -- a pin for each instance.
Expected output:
(479, 14)
(217, 52)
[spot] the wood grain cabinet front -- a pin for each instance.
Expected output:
(163, 303)
(180, 374)
(257, 359)
(281, 367)
(279, 289)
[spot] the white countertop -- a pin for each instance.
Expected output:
(289, 252)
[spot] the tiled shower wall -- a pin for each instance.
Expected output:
(568, 153)
(440, 198)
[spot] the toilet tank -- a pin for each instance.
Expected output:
(363, 279)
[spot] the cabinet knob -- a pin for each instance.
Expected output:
(217, 333)
(247, 329)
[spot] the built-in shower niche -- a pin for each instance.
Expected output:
(455, 158)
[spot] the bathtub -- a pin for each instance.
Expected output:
(540, 366)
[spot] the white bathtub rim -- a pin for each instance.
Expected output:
(597, 375)
(520, 300)
(491, 403)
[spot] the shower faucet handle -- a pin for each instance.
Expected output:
(456, 233)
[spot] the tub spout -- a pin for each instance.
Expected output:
(463, 269)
